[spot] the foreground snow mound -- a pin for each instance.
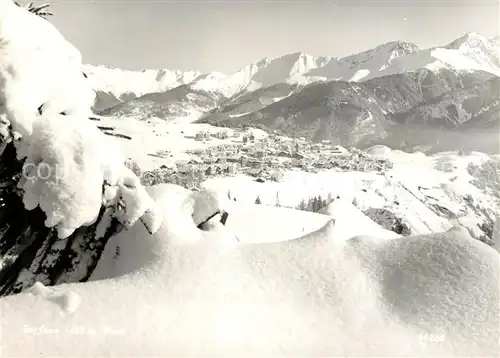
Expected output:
(350, 222)
(193, 294)
(264, 224)
(182, 211)
(66, 300)
(206, 203)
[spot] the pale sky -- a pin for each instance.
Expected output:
(208, 35)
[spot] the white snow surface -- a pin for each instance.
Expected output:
(205, 203)
(350, 222)
(67, 301)
(185, 292)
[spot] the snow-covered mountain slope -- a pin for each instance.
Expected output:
(471, 52)
(115, 86)
(485, 52)
(184, 102)
(468, 53)
(429, 194)
(210, 82)
(122, 82)
(204, 294)
(248, 102)
(155, 142)
(319, 111)
(457, 107)
(265, 73)
(268, 72)
(365, 65)
(380, 110)
(104, 100)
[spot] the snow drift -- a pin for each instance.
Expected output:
(350, 221)
(183, 292)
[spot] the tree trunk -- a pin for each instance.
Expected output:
(31, 252)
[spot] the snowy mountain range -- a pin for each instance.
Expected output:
(367, 98)
(468, 53)
(385, 110)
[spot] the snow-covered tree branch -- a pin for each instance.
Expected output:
(52, 157)
(40, 10)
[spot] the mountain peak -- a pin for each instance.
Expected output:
(294, 57)
(297, 54)
(403, 46)
(407, 47)
(495, 41)
(470, 40)
(391, 49)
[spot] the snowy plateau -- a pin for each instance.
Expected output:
(169, 213)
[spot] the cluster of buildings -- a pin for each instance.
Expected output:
(264, 158)
(203, 136)
(186, 173)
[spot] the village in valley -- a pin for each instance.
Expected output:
(264, 157)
